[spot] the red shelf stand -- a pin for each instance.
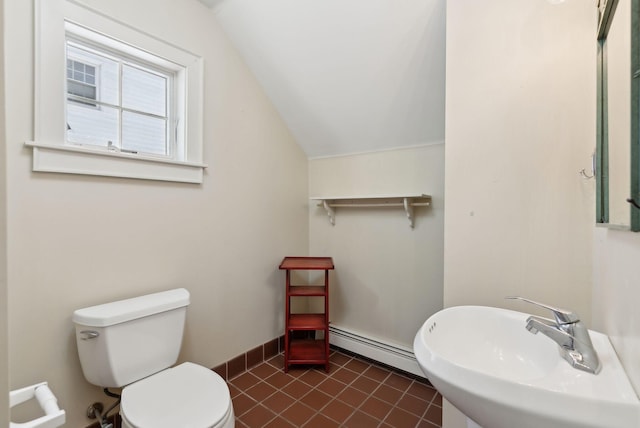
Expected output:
(299, 350)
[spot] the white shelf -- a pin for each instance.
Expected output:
(407, 202)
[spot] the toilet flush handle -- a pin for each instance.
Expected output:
(88, 334)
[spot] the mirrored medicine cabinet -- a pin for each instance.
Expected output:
(618, 113)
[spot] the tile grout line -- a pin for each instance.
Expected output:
(355, 409)
(404, 392)
(314, 387)
(347, 363)
(371, 394)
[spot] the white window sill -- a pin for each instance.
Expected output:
(81, 160)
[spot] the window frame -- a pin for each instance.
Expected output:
(607, 11)
(127, 56)
(52, 152)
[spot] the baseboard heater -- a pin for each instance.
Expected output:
(390, 354)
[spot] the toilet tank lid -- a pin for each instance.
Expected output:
(129, 309)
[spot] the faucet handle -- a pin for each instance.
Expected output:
(562, 316)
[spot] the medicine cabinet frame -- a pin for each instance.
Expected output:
(607, 10)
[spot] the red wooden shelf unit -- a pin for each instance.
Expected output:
(300, 348)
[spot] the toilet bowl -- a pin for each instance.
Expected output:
(132, 344)
(187, 395)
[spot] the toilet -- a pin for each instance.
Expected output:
(133, 344)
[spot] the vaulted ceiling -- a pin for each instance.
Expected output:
(347, 76)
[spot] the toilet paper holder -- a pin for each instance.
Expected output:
(54, 416)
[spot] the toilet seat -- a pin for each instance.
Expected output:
(187, 395)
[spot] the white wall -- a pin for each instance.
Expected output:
(388, 277)
(347, 76)
(520, 124)
(617, 293)
(75, 241)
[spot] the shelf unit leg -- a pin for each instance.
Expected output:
(286, 327)
(326, 320)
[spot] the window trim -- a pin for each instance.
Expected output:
(52, 153)
(81, 160)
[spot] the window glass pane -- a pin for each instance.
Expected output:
(104, 71)
(81, 90)
(144, 134)
(144, 91)
(89, 72)
(92, 125)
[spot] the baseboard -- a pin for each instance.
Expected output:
(390, 354)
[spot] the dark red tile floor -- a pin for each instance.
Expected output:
(355, 393)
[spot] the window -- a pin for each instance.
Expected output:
(81, 81)
(124, 103)
(134, 110)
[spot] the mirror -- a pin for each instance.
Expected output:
(618, 157)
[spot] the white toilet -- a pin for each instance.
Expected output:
(132, 343)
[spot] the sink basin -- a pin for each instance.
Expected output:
(485, 362)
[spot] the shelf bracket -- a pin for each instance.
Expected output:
(330, 212)
(408, 208)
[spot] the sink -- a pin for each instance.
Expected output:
(485, 362)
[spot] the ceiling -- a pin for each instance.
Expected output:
(347, 76)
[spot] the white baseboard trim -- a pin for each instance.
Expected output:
(392, 355)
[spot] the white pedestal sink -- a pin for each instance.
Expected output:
(485, 362)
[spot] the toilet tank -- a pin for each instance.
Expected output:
(124, 341)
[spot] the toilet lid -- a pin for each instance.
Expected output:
(187, 395)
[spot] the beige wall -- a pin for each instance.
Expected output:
(520, 124)
(75, 241)
(4, 349)
(388, 277)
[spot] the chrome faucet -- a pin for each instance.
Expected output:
(568, 332)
